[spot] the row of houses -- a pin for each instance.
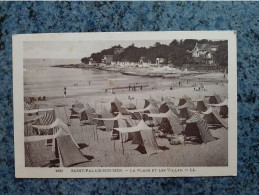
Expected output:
(202, 58)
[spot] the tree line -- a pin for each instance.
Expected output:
(175, 52)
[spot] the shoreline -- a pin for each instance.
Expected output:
(195, 76)
(150, 84)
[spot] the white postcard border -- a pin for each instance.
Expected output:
(119, 172)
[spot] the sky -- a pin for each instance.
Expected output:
(75, 49)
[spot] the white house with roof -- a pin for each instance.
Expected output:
(203, 54)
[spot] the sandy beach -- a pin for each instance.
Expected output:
(108, 153)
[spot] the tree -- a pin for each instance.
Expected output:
(174, 43)
(157, 44)
(176, 52)
(85, 60)
(221, 54)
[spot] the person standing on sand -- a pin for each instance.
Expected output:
(65, 91)
(179, 83)
(129, 87)
(141, 87)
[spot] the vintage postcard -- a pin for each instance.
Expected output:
(127, 104)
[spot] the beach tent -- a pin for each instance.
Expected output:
(175, 123)
(117, 121)
(129, 106)
(223, 108)
(163, 108)
(34, 115)
(85, 113)
(66, 147)
(107, 123)
(214, 99)
(61, 129)
(213, 118)
(116, 106)
(60, 106)
(139, 114)
(145, 136)
(57, 107)
(200, 105)
(77, 108)
(182, 100)
(196, 126)
(150, 108)
(43, 116)
(166, 106)
(184, 110)
(29, 103)
(149, 101)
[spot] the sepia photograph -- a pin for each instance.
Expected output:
(139, 104)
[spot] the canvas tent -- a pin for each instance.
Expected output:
(149, 101)
(196, 126)
(38, 110)
(62, 129)
(213, 118)
(81, 111)
(184, 110)
(200, 105)
(139, 114)
(43, 116)
(32, 119)
(146, 137)
(175, 122)
(107, 123)
(223, 107)
(117, 121)
(214, 99)
(163, 108)
(129, 106)
(166, 106)
(85, 113)
(150, 108)
(116, 106)
(182, 100)
(67, 148)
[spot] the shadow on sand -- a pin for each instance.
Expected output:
(82, 145)
(89, 157)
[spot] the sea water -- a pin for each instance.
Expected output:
(42, 79)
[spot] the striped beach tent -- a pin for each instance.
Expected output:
(65, 146)
(145, 137)
(223, 108)
(214, 99)
(196, 126)
(213, 118)
(175, 122)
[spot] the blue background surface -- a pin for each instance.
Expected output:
(53, 17)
